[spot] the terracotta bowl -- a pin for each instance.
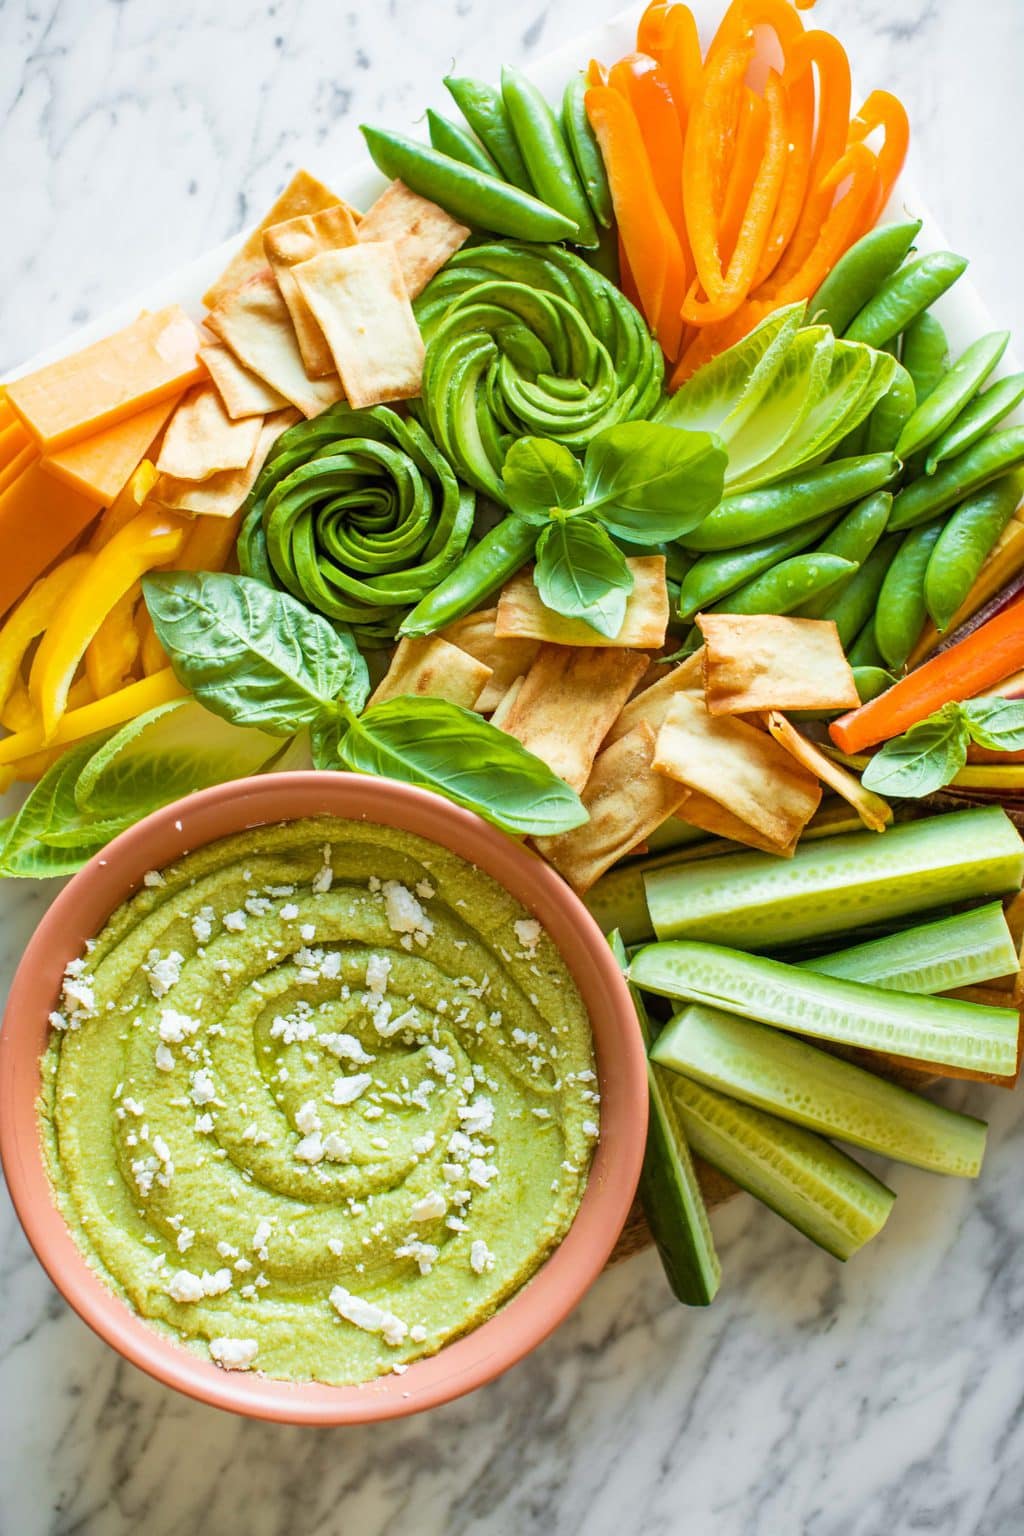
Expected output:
(81, 910)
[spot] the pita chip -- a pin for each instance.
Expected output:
(201, 439)
(222, 494)
(254, 322)
(430, 667)
(243, 392)
(423, 234)
(522, 615)
(771, 661)
(295, 241)
(507, 659)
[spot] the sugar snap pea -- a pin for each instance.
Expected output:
(714, 575)
(891, 414)
(499, 554)
(864, 651)
(870, 681)
(953, 393)
(900, 612)
(756, 515)
(583, 144)
(548, 159)
(984, 412)
(449, 139)
(929, 495)
(787, 585)
(860, 273)
(482, 107)
(902, 297)
(924, 353)
(481, 201)
(965, 540)
(853, 538)
(853, 606)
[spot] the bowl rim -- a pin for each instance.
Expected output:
(528, 1317)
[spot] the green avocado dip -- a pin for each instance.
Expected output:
(319, 1099)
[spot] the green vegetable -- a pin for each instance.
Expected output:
(811, 1184)
(853, 538)
(482, 107)
(477, 198)
(900, 611)
(782, 397)
(755, 515)
(781, 1075)
(858, 275)
(891, 414)
(487, 566)
(250, 654)
(358, 515)
(713, 576)
(451, 140)
(586, 153)
(965, 542)
(871, 681)
(50, 810)
(528, 341)
(789, 585)
(959, 386)
(960, 951)
(546, 153)
(669, 1190)
(929, 496)
(983, 413)
(438, 746)
(864, 651)
(582, 574)
(838, 884)
(933, 751)
(924, 353)
(930, 1029)
(905, 295)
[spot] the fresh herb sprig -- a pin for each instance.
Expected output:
(257, 657)
(639, 483)
(932, 753)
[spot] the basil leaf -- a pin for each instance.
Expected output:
(538, 476)
(583, 575)
(995, 723)
(440, 746)
(325, 740)
(648, 482)
(50, 836)
(251, 654)
(922, 760)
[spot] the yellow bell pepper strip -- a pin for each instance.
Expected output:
(100, 715)
(152, 654)
(152, 538)
(114, 648)
(124, 507)
(35, 611)
(18, 712)
(651, 244)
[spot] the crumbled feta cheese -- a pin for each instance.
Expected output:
(336, 1149)
(234, 1354)
(590, 1129)
(477, 1117)
(289, 912)
(307, 1118)
(423, 1144)
(425, 1255)
(163, 971)
(528, 932)
(368, 1316)
(186, 1237)
(417, 1334)
(204, 1124)
(262, 1234)
(164, 1058)
(378, 969)
(481, 1259)
(307, 932)
(480, 1173)
(203, 1090)
(133, 1106)
(202, 925)
(185, 1286)
(403, 911)
(324, 877)
(174, 1027)
(430, 1208)
(235, 922)
(311, 1148)
(347, 1089)
(153, 877)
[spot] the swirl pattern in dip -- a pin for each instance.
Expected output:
(319, 1099)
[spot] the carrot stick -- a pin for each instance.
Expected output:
(979, 661)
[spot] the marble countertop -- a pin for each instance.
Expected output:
(886, 1396)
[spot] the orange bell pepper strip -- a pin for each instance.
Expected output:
(638, 79)
(707, 156)
(114, 648)
(800, 107)
(35, 611)
(991, 653)
(668, 34)
(824, 52)
(152, 538)
(596, 73)
(124, 506)
(885, 111)
(756, 220)
(710, 340)
(651, 244)
(842, 226)
(100, 715)
(746, 162)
